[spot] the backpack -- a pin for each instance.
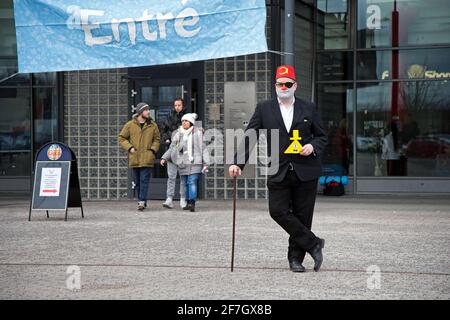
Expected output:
(333, 187)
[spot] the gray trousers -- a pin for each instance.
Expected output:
(172, 171)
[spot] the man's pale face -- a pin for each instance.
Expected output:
(283, 91)
(178, 106)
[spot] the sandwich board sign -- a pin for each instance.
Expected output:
(56, 185)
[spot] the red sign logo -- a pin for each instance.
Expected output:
(54, 152)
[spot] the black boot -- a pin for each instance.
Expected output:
(316, 254)
(188, 205)
(192, 208)
(296, 266)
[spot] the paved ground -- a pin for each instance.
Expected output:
(163, 254)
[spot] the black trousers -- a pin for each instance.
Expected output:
(291, 205)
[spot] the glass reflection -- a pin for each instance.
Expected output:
(385, 23)
(335, 104)
(45, 116)
(334, 66)
(15, 132)
(412, 64)
(333, 24)
(161, 94)
(405, 136)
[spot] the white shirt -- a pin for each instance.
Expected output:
(287, 112)
(388, 150)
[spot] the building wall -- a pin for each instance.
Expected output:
(256, 68)
(95, 109)
(96, 102)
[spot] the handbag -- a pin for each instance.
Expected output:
(333, 187)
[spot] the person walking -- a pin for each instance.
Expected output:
(141, 139)
(292, 189)
(392, 152)
(169, 127)
(188, 151)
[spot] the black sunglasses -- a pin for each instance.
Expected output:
(287, 84)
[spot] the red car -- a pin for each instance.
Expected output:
(428, 146)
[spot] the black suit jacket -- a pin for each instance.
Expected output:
(307, 120)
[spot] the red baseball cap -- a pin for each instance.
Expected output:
(285, 72)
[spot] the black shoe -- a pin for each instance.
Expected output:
(192, 207)
(316, 254)
(188, 206)
(296, 266)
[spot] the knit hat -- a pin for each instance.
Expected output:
(191, 117)
(140, 108)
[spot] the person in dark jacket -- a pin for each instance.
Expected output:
(293, 186)
(169, 127)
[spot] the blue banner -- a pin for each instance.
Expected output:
(60, 35)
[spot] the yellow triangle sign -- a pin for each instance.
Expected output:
(295, 147)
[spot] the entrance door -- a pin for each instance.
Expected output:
(159, 95)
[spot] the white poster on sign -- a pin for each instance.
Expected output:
(50, 182)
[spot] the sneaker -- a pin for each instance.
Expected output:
(141, 205)
(183, 203)
(168, 204)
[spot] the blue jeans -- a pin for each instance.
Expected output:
(142, 180)
(191, 185)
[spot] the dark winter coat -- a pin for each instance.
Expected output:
(171, 125)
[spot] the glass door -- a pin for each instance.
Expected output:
(159, 95)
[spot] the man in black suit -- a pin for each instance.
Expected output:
(293, 187)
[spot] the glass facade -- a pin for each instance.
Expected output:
(395, 74)
(28, 120)
(28, 107)
(15, 132)
(403, 129)
(377, 69)
(399, 23)
(333, 24)
(336, 106)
